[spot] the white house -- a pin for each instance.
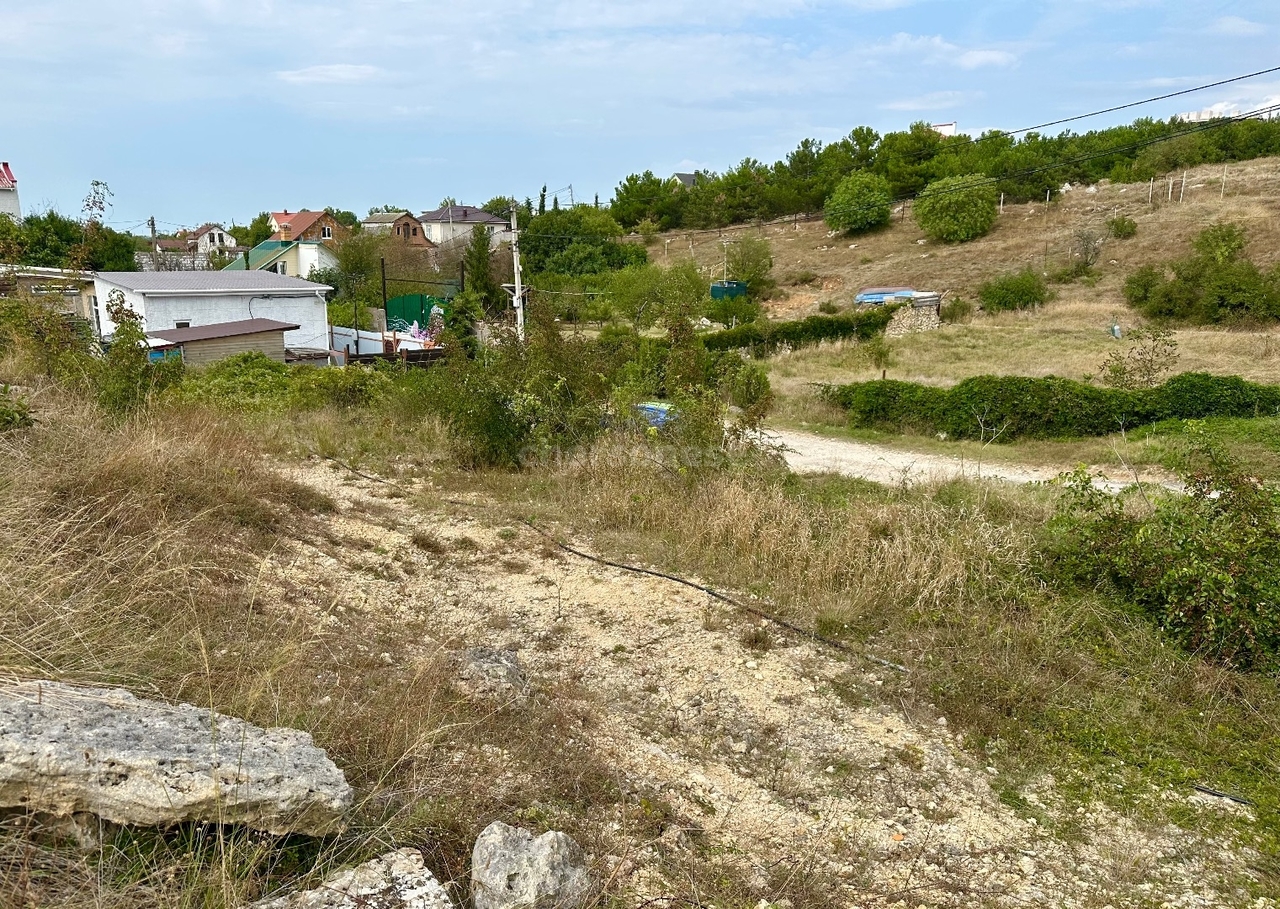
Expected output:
(212, 238)
(190, 299)
(9, 204)
(454, 223)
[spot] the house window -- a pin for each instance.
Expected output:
(184, 323)
(415, 231)
(281, 268)
(326, 233)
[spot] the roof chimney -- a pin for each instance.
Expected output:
(286, 231)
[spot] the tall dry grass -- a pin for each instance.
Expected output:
(948, 580)
(147, 555)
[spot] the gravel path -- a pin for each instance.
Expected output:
(809, 453)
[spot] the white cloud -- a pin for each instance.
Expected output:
(1237, 27)
(330, 74)
(931, 101)
(935, 49)
(977, 58)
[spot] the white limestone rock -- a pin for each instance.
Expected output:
(66, 750)
(397, 880)
(513, 869)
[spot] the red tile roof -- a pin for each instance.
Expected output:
(7, 179)
(299, 223)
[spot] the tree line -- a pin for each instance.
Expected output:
(1023, 168)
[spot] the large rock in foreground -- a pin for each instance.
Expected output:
(66, 750)
(513, 869)
(397, 880)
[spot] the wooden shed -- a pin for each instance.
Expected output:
(209, 343)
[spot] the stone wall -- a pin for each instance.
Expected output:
(912, 319)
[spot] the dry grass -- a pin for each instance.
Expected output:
(945, 580)
(140, 555)
(1026, 235)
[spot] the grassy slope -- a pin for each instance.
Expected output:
(1068, 337)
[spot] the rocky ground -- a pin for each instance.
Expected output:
(773, 752)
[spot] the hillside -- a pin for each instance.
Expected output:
(1026, 235)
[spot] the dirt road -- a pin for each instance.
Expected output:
(809, 453)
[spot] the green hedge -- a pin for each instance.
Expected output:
(768, 336)
(1013, 407)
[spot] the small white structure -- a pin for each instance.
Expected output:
(9, 204)
(212, 238)
(190, 299)
(454, 223)
(946, 130)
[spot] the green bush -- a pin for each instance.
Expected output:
(956, 311)
(765, 337)
(957, 209)
(861, 201)
(1214, 285)
(127, 378)
(1005, 408)
(244, 382)
(1122, 228)
(15, 412)
(1021, 290)
(1202, 564)
(344, 387)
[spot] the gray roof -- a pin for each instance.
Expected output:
(221, 330)
(460, 214)
(211, 282)
(384, 217)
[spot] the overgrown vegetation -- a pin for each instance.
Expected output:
(1024, 289)
(1214, 285)
(860, 202)
(1005, 408)
(1202, 564)
(957, 209)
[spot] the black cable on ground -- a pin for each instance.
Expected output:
(715, 594)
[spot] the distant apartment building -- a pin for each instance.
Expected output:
(9, 204)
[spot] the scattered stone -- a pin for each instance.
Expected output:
(66, 751)
(397, 880)
(494, 673)
(513, 869)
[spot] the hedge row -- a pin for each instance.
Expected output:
(1013, 407)
(768, 336)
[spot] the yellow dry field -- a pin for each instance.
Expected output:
(1067, 337)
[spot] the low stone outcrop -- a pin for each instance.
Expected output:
(397, 880)
(513, 869)
(910, 320)
(492, 673)
(66, 751)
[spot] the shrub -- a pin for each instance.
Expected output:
(128, 378)
(244, 382)
(1020, 290)
(343, 387)
(1202, 565)
(956, 311)
(751, 260)
(827, 308)
(1149, 357)
(1214, 285)
(1122, 228)
(765, 337)
(957, 209)
(1005, 408)
(15, 412)
(860, 202)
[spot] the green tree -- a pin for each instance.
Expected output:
(501, 206)
(347, 219)
(642, 197)
(861, 201)
(254, 232)
(957, 209)
(582, 240)
(477, 262)
(750, 260)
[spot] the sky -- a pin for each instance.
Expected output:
(214, 110)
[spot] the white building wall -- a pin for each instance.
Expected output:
(164, 312)
(9, 204)
(313, 256)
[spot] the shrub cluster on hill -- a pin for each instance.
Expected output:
(1005, 408)
(1214, 284)
(957, 209)
(1024, 289)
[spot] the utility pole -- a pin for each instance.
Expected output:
(518, 297)
(155, 248)
(383, 262)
